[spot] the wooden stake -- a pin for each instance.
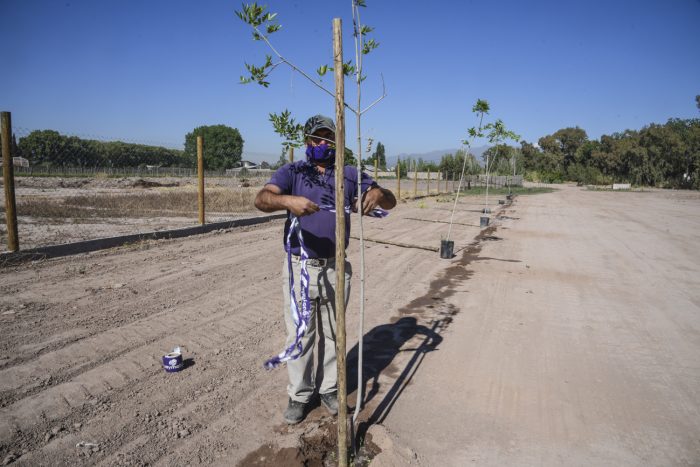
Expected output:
(415, 179)
(8, 172)
(340, 347)
(376, 168)
(427, 192)
(200, 176)
(398, 178)
(291, 154)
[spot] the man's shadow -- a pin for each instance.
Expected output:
(381, 345)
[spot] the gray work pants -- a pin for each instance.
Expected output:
(302, 377)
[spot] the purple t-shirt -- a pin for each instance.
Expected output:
(318, 229)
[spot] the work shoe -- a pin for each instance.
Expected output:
(295, 412)
(330, 402)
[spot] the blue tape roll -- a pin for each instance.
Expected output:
(172, 362)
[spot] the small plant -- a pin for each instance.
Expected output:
(496, 134)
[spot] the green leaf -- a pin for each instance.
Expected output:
(481, 106)
(369, 46)
(348, 68)
(271, 28)
(322, 70)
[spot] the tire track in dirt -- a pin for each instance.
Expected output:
(103, 347)
(223, 293)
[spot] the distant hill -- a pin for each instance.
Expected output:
(435, 156)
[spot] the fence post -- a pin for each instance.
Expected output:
(398, 178)
(415, 179)
(376, 168)
(9, 180)
(427, 191)
(291, 154)
(200, 176)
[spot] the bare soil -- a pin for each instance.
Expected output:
(577, 342)
(565, 332)
(56, 210)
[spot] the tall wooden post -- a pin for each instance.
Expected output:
(428, 189)
(200, 176)
(376, 168)
(340, 347)
(398, 178)
(291, 154)
(9, 181)
(415, 179)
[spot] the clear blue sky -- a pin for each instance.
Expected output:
(151, 71)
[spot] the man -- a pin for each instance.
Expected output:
(306, 189)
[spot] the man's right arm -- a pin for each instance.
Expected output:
(271, 199)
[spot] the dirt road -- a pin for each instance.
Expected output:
(566, 333)
(577, 341)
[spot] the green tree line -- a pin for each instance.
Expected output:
(223, 147)
(51, 149)
(661, 155)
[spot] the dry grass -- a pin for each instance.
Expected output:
(165, 203)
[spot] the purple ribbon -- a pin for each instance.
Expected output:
(376, 212)
(302, 317)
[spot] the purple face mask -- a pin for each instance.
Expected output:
(321, 153)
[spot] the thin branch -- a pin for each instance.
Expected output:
(378, 99)
(294, 67)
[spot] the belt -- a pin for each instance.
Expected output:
(314, 262)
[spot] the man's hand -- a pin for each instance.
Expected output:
(377, 197)
(271, 199)
(300, 206)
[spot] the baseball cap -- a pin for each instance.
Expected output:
(318, 122)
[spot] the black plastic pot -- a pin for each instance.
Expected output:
(447, 248)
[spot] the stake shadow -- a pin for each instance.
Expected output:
(381, 345)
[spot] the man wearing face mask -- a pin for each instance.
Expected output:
(306, 189)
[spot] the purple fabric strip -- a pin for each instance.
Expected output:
(301, 317)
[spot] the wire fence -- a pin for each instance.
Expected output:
(60, 171)
(63, 194)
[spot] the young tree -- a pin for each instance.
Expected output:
(496, 134)
(263, 25)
